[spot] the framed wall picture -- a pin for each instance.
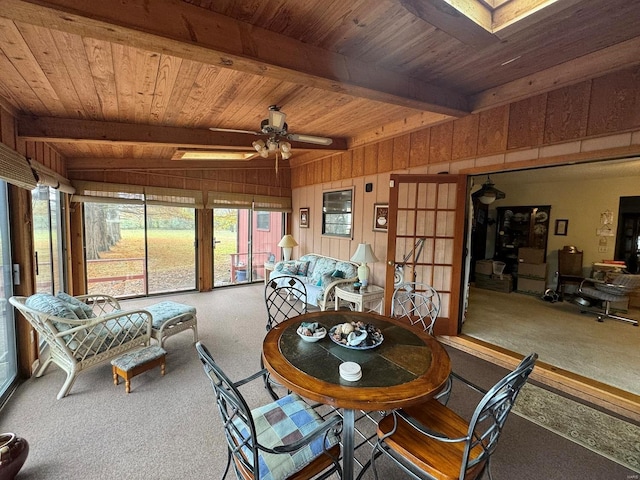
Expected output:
(562, 226)
(304, 217)
(380, 217)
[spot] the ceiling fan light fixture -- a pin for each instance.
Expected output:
(285, 147)
(277, 119)
(272, 144)
(258, 145)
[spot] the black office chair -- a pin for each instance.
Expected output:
(607, 292)
(432, 441)
(569, 269)
(292, 439)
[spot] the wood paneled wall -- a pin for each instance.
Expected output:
(22, 234)
(601, 106)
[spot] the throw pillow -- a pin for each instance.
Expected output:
(76, 305)
(290, 268)
(303, 268)
(326, 280)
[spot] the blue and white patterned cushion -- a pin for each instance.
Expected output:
(303, 268)
(130, 360)
(47, 303)
(81, 309)
(280, 423)
(290, 267)
(348, 269)
(163, 311)
(323, 265)
(312, 259)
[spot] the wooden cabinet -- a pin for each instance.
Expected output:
(523, 226)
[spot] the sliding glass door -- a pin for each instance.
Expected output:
(171, 256)
(115, 249)
(133, 249)
(47, 239)
(8, 361)
(230, 247)
(244, 239)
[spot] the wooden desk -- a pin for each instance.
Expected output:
(408, 368)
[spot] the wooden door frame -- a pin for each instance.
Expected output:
(444, 326)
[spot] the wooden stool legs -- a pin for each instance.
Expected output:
(129, 374)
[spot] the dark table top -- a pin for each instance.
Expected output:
(409, 366)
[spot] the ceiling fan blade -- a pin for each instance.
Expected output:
(233, 130)
(310, 139)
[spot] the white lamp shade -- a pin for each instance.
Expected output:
(364, 254)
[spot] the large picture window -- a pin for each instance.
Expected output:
(337, 215)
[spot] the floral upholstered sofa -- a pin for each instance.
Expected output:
(320, 274)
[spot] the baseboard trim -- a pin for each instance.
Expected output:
(597, 393)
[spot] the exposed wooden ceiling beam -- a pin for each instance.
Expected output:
(469, 22)
(177, 28)
(620, 56)
(52, 130)
(143, 164)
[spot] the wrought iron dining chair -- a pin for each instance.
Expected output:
(282, 440)
(615, 290)
(431, 440)
(418, 302)
(285, 298)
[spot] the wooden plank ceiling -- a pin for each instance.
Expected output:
(131, 80)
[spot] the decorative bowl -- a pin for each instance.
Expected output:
(372, 339)
(318, 333)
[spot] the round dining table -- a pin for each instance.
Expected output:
(406, 368)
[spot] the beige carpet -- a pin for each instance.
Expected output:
(607, 352)
(168, 428)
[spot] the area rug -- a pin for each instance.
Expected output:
(608, 436)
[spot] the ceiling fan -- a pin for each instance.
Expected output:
(275, 127)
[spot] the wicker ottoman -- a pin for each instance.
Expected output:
(170, 318)
(134, 363)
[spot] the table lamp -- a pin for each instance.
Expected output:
(287, 243)
(364, 254)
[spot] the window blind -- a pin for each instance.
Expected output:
(15, 169)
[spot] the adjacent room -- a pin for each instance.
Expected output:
(429, 196)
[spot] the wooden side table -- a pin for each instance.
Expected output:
(268, 268)
(361, 296)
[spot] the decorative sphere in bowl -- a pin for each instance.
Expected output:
(311, 332)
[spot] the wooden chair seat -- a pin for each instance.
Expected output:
(442, 460)
(431, 440)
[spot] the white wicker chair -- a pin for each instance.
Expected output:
(78, 344)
